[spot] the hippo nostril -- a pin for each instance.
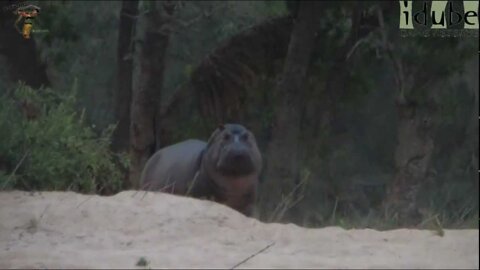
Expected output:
(237, 155)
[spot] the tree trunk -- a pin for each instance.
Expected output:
(147, 92)
(282, 159)
(415, 145)
(123, 97)
(20, 53)
(413, 154)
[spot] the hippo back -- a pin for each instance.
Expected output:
(171, 168)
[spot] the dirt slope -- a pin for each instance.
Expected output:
(69, 230)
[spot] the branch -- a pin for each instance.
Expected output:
(16, 168)
(205, 14)
(397, 64)
(253, 255)
(354, 47)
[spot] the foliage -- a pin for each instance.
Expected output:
(81, 43)
(204, 25)
(56, 150)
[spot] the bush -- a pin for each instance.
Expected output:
(53, 148)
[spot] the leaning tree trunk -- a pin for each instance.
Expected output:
(147, 92)
(282, 158)
(220, 84)
(123, 93)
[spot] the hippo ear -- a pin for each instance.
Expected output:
(221, 126)
(215, 135)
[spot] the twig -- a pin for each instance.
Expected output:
(287, 198)
(289, 206)
(334, 211)
(88, 198)
(145, 187)
(171, 185)
(186, 24)
(439, 229)
(355, 46)
(16, 168)
(144, 194)
(189, 190)
(43, 213)
(253, 255)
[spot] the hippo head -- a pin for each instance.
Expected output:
(232, 151)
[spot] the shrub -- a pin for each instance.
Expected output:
(54, 149)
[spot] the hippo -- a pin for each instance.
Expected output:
(225, 169)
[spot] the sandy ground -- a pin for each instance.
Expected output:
(69, 230)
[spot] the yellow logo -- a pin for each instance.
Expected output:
(28, 14)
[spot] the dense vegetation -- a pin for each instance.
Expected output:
(53, 147)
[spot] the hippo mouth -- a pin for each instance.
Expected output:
(235, 164)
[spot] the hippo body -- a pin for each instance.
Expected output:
(170, 167)
(224, 169)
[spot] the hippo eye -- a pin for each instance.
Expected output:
(226, 137)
